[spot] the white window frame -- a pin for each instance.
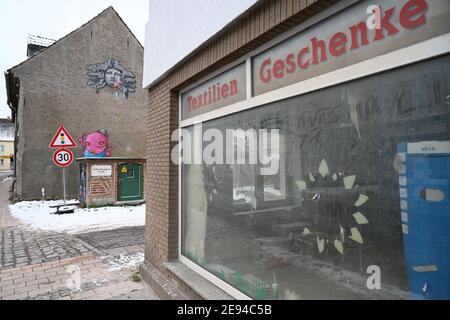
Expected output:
(418, 52)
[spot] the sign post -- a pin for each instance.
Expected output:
(63, 157)
(64, 185)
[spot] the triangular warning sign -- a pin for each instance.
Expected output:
(62, 139)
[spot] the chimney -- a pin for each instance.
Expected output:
(36, 44)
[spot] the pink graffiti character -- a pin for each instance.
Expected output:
(96, 144)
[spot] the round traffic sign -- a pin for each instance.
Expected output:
(63, 158)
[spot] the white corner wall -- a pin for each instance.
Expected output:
(177, 27)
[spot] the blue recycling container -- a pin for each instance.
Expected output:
(425, 205)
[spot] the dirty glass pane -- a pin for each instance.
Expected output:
(359, 208)
(275, 185)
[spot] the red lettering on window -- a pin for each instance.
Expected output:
(264, 72)
(386, 24)
(290, 62)
(233, 88)
(189, 100)
(412, 9)
(316, 46)
(360, 28)
(301, 54)
(337, 44)
(225, 91)
(278, 69)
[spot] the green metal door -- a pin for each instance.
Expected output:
(130, 182)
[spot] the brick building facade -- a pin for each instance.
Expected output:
(263, 22)
(251, 249)
(90, 81)
(100, 181)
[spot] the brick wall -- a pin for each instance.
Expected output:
(162, 186)
(265, 21)
(102, 190)
(105, 190)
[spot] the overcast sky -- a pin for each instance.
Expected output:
(54, 19)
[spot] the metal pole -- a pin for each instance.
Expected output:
(64, 184)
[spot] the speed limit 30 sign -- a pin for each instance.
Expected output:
(63, 158)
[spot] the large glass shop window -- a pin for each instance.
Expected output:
(359, 208)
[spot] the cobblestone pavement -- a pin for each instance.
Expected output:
(19, 247)
(52, 266)
(6, 220)
(82, 278)
(123, 237)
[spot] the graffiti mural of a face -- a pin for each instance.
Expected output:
(112, 77)
(96, 144)
(112, 74)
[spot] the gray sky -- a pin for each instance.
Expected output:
(54, 19)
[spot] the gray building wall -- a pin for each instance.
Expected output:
(54, 89)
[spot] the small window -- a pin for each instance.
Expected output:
(2, 148)
(130, 173)
(2, 162)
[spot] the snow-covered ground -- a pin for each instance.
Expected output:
(5, 177)
(38, 215)
(131, 261)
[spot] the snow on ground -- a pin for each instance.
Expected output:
(38, 215)
(126, 262)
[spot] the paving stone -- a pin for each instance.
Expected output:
(6, 293)
(20, 247)
(18, 296)
(33, 264)
(111, 239)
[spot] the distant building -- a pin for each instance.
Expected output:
(7, 133)
(90, 81)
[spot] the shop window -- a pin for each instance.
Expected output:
(344, 200)
(275, 185)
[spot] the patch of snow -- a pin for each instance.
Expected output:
(126, 262)
(38, 215)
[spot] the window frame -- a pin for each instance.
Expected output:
(432, 48)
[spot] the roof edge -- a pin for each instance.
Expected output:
(120, 18)
(211, 39)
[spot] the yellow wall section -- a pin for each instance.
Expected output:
(4, 155)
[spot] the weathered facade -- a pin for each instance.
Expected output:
(90, 81)
(364, 133)
(262, 23)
